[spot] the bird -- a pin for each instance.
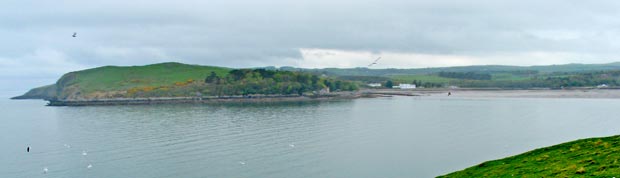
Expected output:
(89, 166)
(375, 62)
(74, 34)
(28, 149)
(45, 170)
(84, 153)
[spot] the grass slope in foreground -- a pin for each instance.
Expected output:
(593, 157)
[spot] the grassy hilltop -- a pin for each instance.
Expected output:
(593, 157)
(115, 78)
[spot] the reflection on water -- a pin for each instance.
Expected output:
(382, 137)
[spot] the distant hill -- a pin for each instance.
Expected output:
(362, 71)
(484, 76)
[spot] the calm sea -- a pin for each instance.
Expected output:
(380, 137)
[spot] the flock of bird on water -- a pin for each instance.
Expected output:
(84, 153)
(90, 165)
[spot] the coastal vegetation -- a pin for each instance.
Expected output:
(593, 157)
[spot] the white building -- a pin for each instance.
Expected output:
(374, 85)
(406, 86)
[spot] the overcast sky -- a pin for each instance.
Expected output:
(36, 46)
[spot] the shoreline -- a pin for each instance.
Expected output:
(504, 93)
(199, 100)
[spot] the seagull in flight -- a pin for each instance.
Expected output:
(74, 34)
(373, 63)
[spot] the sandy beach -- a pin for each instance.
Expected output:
(541, 93)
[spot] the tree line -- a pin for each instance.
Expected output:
(262, 81)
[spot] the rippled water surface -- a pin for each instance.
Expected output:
(381, 137)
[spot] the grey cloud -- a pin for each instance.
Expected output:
(244, 33)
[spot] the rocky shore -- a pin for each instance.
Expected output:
(204, 99)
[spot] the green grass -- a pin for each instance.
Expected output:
(114, 78)
(593, 157)
(508, 77)
(423, 78)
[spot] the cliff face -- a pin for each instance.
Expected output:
(67, 87)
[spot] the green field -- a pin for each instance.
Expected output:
(509, 77)
(593, 157)
(111, 78)
(443, 80)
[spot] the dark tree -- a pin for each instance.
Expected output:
(212, 78)
(389, 84)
